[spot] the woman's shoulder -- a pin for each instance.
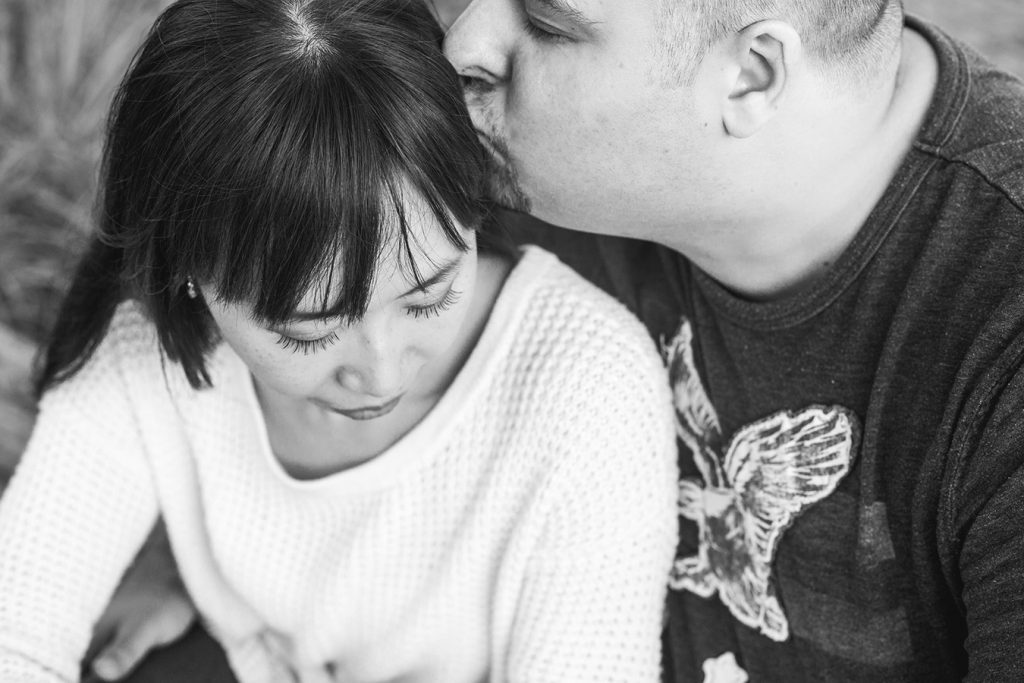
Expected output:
(129, 348)
(584, 375)
(131, 338)
(131, 326)
(575, 346)
(566, 309)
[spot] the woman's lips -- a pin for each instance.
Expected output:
(366, 412)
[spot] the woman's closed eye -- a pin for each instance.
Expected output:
(435, 308)
(306, 346)
(418, 311)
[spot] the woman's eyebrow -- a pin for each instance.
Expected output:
(302, 316)
(442, 274)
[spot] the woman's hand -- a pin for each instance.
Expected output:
(149, 609)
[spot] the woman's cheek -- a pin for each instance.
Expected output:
(287, 372)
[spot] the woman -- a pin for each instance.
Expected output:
(380, 452)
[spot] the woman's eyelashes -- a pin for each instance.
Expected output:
(417, 311)
(306, 346)
(436, 308)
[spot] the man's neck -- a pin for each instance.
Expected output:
(793, 234)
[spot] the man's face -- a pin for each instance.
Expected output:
(569, 97)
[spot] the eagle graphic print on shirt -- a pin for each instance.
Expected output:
(753, 489)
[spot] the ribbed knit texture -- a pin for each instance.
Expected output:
(523, 531)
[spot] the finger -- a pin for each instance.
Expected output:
(137, 637)
(102, 636)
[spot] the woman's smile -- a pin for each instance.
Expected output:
(363, 412)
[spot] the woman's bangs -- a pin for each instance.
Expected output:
(306, 195)
(300, 239)
(306, 183)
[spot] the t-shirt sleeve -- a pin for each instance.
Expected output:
(987, 535)
(592, 603)
(992, 566)
(78, 508)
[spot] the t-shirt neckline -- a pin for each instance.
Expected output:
(938, 126)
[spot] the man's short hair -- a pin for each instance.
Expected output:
(846, 36)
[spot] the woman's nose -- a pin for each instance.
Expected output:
(372, 365)
(371, 382)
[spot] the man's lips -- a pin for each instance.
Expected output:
(504, 187)
(491, 148)
(366, 412)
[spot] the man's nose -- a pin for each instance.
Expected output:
(479, 44)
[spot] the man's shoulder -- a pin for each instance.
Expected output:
(977, 118)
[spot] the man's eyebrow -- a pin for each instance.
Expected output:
(565, 10)
(442, 274)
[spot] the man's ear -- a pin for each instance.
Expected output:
(765, 56)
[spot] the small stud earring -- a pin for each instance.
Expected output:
(190, 288)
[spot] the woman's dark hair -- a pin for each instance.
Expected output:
(263, 145)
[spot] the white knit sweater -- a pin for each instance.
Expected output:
(523, 531)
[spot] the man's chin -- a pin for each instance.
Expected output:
(507, 195)
(502, 180)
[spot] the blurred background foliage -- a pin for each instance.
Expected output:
(60, 61)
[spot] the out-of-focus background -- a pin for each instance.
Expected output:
(59, 63)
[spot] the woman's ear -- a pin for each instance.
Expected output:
(766, 55)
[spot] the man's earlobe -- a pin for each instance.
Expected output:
(766, 55)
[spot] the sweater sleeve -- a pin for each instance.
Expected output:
(77, 509)
(592, 603)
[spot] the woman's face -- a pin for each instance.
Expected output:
(362, 369)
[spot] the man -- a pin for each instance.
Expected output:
(824, 212)
(832, 207)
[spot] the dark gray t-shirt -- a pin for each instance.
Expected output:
(852, 456)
